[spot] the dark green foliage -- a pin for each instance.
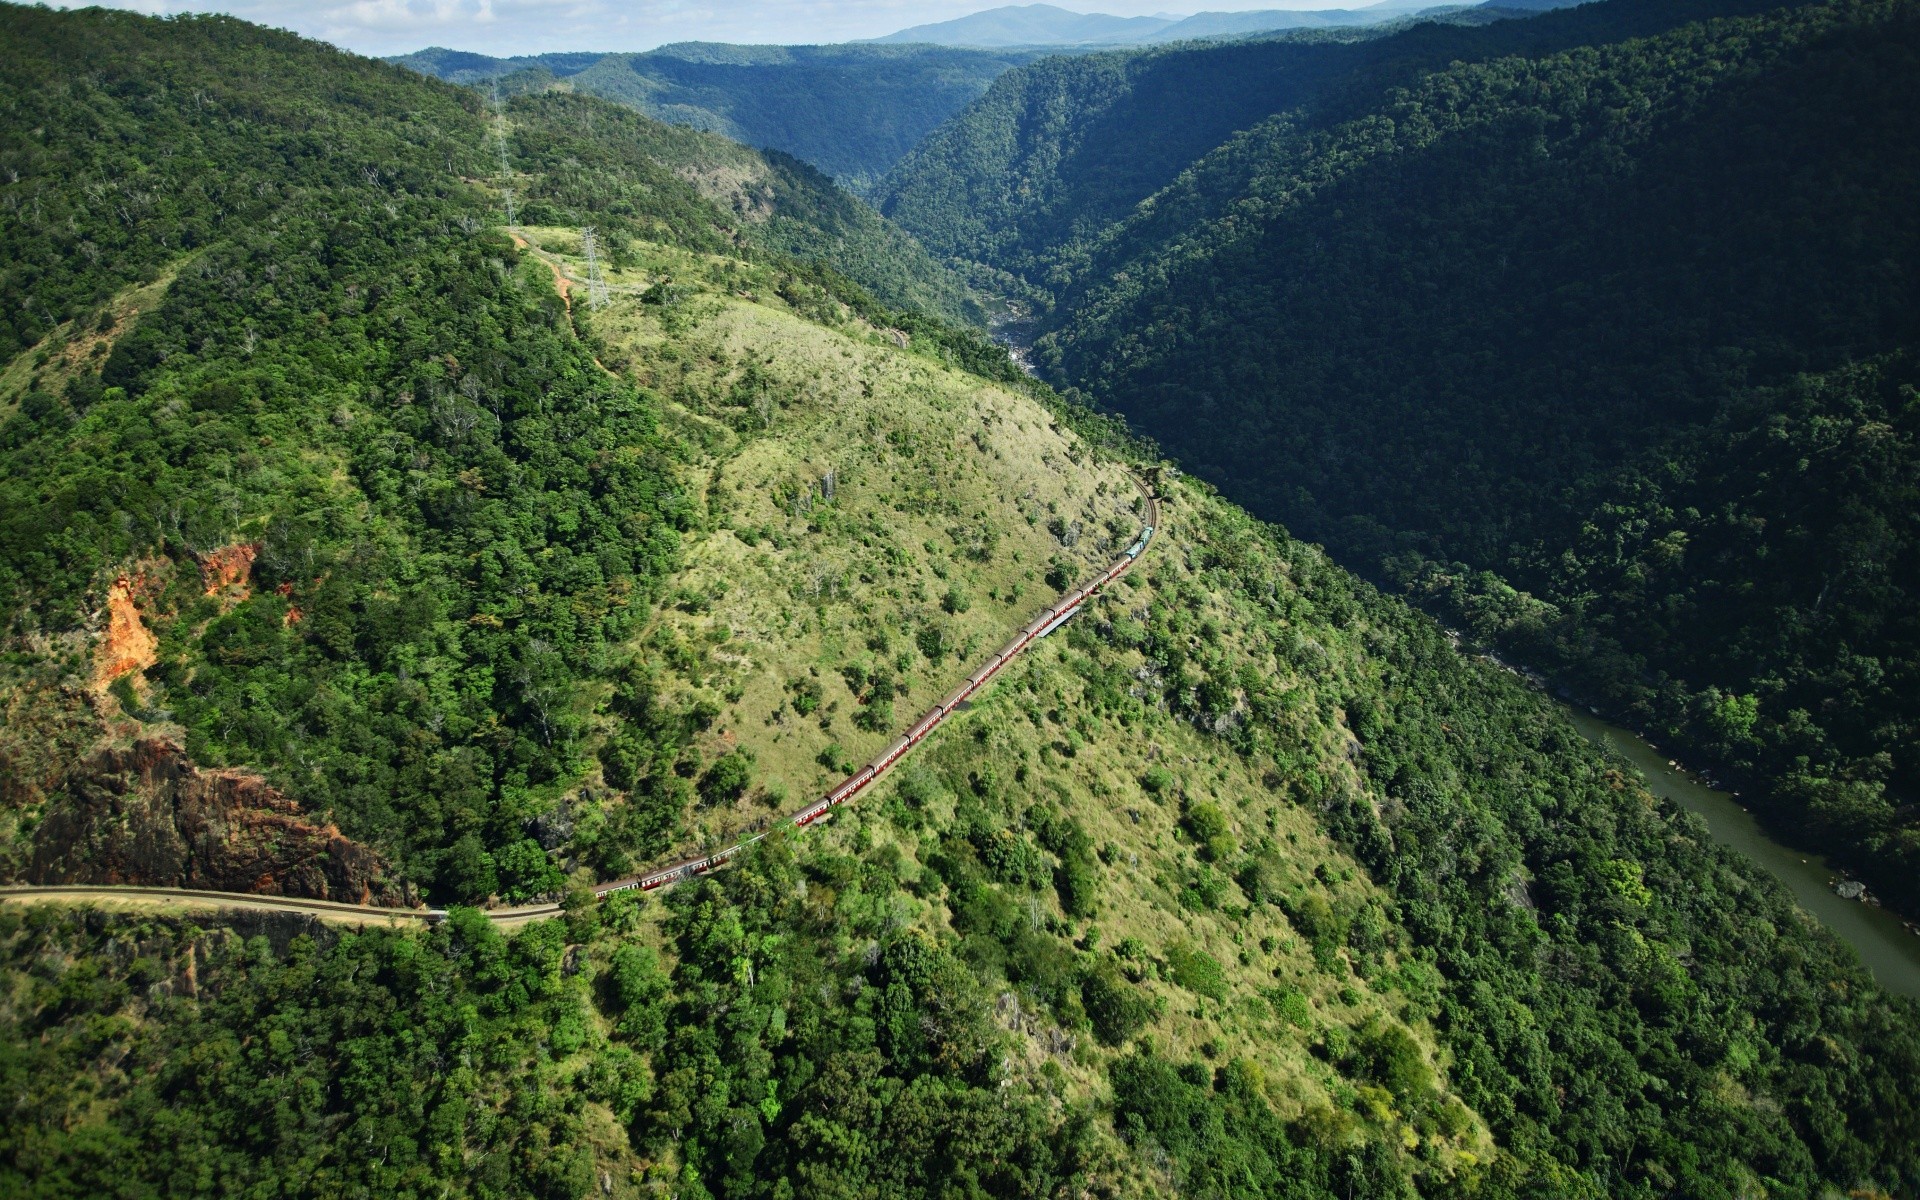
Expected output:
(1613, 323)
(1118, 1009)
(850, 110)
(634, 988)
(790, 1070)
(1388, 1055)
(382, 1063)
(1207, 825)
(1225, 1137)
(1077, 878)
(1197, 971)
(728, 778)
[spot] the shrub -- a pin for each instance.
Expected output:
(1117, 1009)
(727, 779)
(1197, 971)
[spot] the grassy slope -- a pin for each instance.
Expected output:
(947, 483)
(1511, 928)
(1255, 725)
(776, 203)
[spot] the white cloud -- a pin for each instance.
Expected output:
(508, 27)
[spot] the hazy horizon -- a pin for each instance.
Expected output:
(512, 27)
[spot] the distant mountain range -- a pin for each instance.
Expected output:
(851, 110)
(855, 109)
(1048, 25)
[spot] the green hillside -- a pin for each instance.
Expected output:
(851, 111)
(1246, 882)
(1027, 177)
(591, 158)
(1621, 327)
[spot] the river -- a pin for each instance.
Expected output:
(1884, 943)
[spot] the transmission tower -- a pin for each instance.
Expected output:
(500, 145)
(596, 286)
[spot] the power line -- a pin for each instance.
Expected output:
(596, 286)
(500, 145)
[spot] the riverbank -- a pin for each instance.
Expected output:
(1886, 944)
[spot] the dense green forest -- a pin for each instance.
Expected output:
(353, 375)
(1605, 351)
(1245, 883)
(1031, 173)
(852, 111)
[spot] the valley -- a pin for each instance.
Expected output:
(1564, 410)
(368, 549)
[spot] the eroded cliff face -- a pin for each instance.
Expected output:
(128, 645)
(147, 815)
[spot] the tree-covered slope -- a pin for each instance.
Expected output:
(1245, 882)
(851, 110)
(340, 490)
(1023, 179)
(1564, 318)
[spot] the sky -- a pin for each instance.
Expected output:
(509, 27)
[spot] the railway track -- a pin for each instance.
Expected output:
(1061, 611)
(850, 789)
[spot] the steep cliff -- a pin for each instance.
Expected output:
(148, 815)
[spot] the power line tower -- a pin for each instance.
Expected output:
(596, 285)
(500, 146)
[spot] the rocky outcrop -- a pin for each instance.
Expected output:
(229, 569)
(147, 815)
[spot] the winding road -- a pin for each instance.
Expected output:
(1050, 619)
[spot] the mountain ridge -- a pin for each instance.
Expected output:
(851, 110)
(1246, 881)
(1685, 635)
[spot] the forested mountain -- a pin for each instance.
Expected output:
(347, 547)
(1057, 151)
(852, 111)
(1625, 325)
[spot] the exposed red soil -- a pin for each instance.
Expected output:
(228, 567)
(128, 645)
